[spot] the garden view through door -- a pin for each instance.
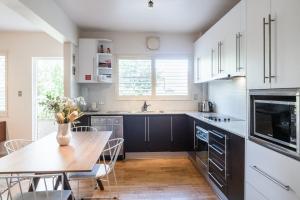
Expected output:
(48, 79)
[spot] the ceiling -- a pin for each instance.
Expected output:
(11, 21)
(186, 16)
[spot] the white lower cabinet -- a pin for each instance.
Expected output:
(252, 193)
(273, 175)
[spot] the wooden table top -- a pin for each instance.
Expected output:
(46, 156)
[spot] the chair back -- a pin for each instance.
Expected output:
(14, 145)
(112, 149)
(17, 187)
(84, 129)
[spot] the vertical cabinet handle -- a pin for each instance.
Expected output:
(239, 52)
(145, 129)
(212, 63)
(220, 44)
(148, 130)
(218, 57)
(172, 129)
(270, 48)
(198, 69)
(236, 53)
(194, 134)
(264, 49)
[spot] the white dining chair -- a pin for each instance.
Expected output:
(16, 144)
(102, 171)
(20, 191)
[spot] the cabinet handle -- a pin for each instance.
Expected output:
(221, 57)
(215, 164)
(236, 53)
(264, 49)
(239, 40)
(270, 48)
(212, 63)
(219, 135)
(274, 180)
(145, 129)
(94, 70)
(148, 130)
(198, 69)
(216, 149)
(172, 129)
(220, 185)
(194, 134)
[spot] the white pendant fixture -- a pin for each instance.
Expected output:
(153, 43)
(150, 4)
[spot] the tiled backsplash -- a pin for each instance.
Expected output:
(229, 97)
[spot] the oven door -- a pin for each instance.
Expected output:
(202, 146)
(276, 122)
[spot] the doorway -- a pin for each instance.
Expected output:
(47, 78)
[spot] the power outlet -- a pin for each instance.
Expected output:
(20, 93)
(196, 97)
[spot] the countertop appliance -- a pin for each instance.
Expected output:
(110, 123)
(274, 119)
(205, 106)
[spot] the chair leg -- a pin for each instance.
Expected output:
(116, 183)
(78, 194)
(100, 184)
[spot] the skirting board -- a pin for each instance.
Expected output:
(155, 155)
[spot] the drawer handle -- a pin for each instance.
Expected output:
(220, 185)
(274, 180)
(217, 134)
(216, 165)
(216, 149)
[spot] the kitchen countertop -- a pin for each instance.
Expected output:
(238, 127)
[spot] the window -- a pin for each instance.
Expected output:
(157, 78)
(3, 95)
(171, 77)
(135, 77)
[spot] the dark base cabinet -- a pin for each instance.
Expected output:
(85, 120)
(236, 160)
(135, 133)
(182, 138)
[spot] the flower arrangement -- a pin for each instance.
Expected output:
(66, 110)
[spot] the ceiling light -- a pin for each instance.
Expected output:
(150, 3)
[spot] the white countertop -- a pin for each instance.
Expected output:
(238, 127)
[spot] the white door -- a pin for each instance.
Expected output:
(87, 59)
(285, 43)
(257, 69)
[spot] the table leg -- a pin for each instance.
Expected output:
(66, 184)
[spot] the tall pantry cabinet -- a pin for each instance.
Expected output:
(273, 43)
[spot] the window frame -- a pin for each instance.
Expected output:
(5, 113)
(154, 96)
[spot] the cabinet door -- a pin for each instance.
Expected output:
(180, 136)
(86, 66)
(236, 167)
(135, 133)
(256, 11)
(285, 43)
(159, 133)
(85, 120)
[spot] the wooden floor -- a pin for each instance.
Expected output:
(154, 179)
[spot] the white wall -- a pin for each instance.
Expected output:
(20, 48)
(135, 44)
(229, 96)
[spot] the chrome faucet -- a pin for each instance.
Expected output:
(145, 107)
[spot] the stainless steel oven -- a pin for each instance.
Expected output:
(202, 145)
(274, 119)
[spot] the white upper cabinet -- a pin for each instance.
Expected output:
(222, 48)
(87, 60)
(273, 43)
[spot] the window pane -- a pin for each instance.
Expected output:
(135, 77)
(2, 84)
(171, 77)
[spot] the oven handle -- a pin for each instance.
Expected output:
(216, 149)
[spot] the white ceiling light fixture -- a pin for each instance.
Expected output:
(150, 3)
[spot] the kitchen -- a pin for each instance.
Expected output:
(214, 90)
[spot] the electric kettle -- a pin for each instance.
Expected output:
(205, 106)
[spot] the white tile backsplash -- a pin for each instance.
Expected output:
(229, 97)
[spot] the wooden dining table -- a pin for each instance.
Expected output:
(45, 156)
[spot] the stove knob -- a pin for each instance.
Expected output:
(228, 119)
(216, 119)
(219, 119)
(225, 119)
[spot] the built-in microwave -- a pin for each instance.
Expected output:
(274, 119)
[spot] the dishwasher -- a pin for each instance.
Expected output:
(110, 123)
